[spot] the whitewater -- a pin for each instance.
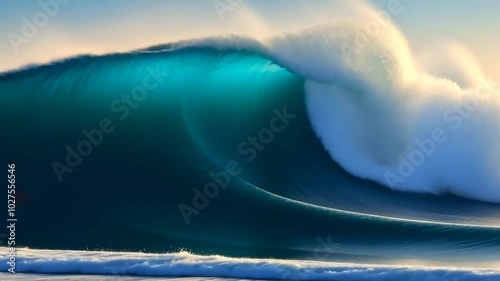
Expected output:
(88, 264)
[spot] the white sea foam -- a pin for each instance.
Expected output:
(184, 264)
(426, 124)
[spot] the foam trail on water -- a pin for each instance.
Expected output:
(184, 264)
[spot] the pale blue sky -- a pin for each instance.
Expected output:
(100, 26)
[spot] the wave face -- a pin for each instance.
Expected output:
(236, 147)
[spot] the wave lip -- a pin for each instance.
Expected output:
(184, 264)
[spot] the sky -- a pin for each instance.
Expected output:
(38, 31)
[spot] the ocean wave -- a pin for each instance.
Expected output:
(381, 113)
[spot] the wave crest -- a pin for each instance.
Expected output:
(387, 116)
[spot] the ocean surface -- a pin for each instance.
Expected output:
(229, 157)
